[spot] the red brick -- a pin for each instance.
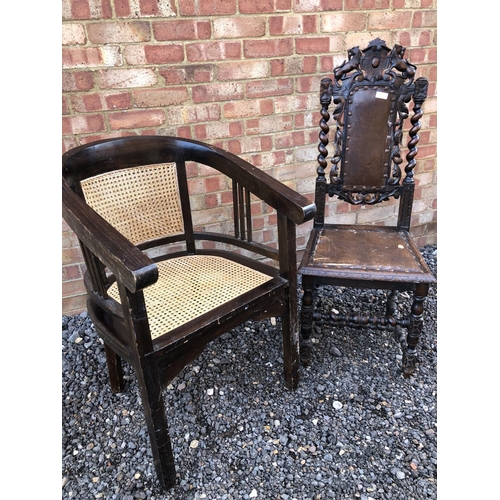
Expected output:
(343, 21)
(118, 101)
(243, 70)
(317, 5)
(217, 92)
(293, 65)
(193, 114)
(184, 29)
(74, 305)
(218, 130)
(249, 144)
(149, 7)
(213, 183)
(207, 7)
(426, 151)
(308, 83)
(239, 27)
(80, 9)
(72, 288)
(73, 34)
(160, 97)
(290, 140)
(163, 54)
(269, 88)
(71, 272)
(122, 8)
(117, 32)
(389, 20)
(137, 119)
(84, 103)
(195, 73)
(71, 255)
(77, 81)
(424, 19)
(69, 239)
(65, 108)
(247, 108)
(268, 48)
(91, 56)
(312, 45)
(292, 25)
(86, 9)
(213, 51)
(366, 4)
(127, 78)
(268, 125)
(68, 143)
(83, 124)
(264, 6)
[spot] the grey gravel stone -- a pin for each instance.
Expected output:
(253, 435)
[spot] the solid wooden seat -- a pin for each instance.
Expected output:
(381, 254)
(160, 287)
(370, 92)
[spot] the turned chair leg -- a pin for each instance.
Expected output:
(115, 371)
(391, 310)
(415, 329)
(156, 420)
(391, 303)
(306, 320)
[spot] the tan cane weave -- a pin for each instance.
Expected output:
(190, 286)
(140, 202)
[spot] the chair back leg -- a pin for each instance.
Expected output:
(115, 372)
(414, 329)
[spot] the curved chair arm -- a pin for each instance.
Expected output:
(285, 200)
(158, 149)
(129, 264)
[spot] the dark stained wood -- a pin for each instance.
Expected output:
(110, 256)
(370, 91)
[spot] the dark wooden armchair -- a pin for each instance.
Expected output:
(370, 92)
(155, 296)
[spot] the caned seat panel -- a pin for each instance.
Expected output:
(141, 202)
(193, 285)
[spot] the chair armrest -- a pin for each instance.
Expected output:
(130, 266)
(285, 200)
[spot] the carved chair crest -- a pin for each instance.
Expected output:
(370, 91)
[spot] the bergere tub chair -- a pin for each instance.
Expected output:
(155, 295)
(370, 92)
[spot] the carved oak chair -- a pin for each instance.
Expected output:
(157, 307)
(370, 92)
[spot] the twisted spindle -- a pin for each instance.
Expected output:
(325, 99)
(419, 97)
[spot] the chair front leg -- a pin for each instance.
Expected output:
(156, 420)
(290, 334)
(415, 329)
(306, 319)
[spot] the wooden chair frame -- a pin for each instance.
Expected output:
(370, 91)
(110, 257)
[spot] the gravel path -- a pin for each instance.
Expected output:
(355, 428)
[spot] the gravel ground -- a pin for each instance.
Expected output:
(355, 428)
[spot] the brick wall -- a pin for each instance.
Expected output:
(241, 74)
